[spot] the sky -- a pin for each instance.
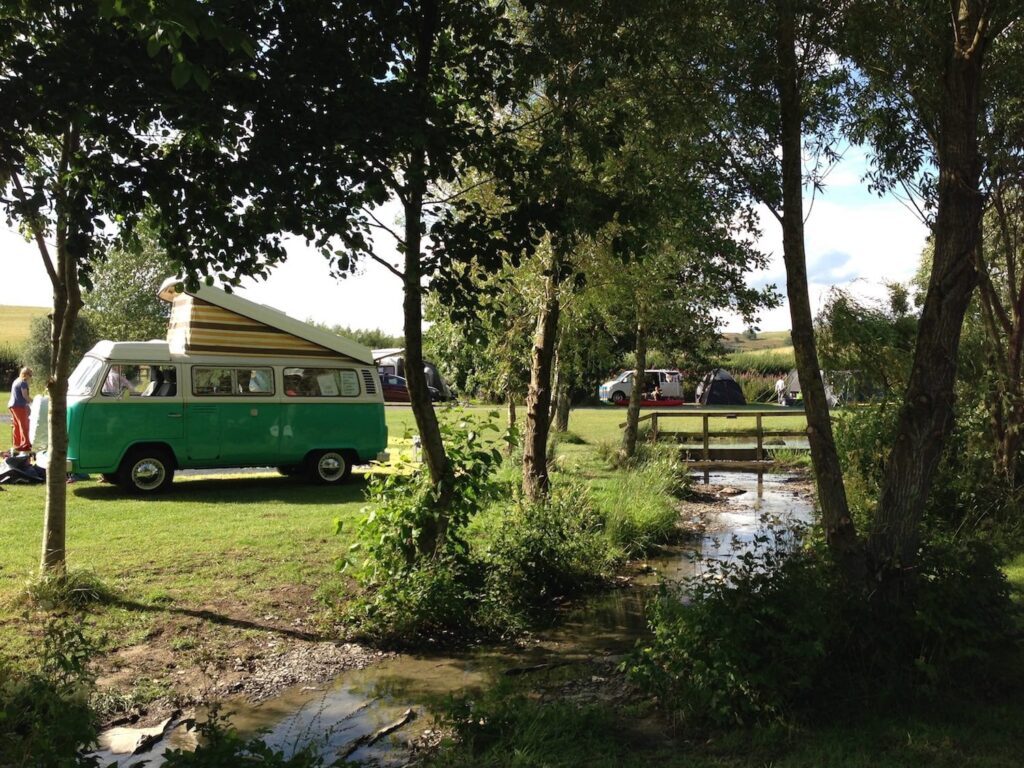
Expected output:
(854, 239)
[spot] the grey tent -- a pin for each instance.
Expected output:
(719, 388)
(793, 387)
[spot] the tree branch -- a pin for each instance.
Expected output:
(37, 234)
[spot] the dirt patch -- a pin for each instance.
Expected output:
(192, 656)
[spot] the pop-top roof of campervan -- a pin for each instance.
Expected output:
(209, 321)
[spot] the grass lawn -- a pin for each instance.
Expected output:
(231, 547)
(15, 321)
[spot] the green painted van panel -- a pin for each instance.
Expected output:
(311, 426)
(107, 426)
(233, 433)
(212, 434)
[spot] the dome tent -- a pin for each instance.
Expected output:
(832, 396)
(718, 387)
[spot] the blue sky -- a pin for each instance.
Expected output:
(855, 240)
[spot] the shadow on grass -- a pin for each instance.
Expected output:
(215, 618)
(238, 490)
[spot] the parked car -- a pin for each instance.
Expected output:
(669, 382)
(396, 389)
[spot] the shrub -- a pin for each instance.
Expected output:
(553, 548)
(10, 364)
(45, 718)
(777, 636)
(413, 595)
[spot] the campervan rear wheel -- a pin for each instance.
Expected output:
(329, 467)
(146, 470)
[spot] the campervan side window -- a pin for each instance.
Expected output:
(211, 381)
(121, 381)
(223, 382)
(321, 382)
(255, 381)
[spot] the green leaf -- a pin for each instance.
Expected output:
(180, 74)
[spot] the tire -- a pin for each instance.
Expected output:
(618, 396)
(146, 470)
(328, 467)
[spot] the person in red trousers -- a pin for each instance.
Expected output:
(19, 405)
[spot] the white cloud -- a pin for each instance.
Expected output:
(861, 242)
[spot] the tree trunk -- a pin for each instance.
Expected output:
(67, 302)
(563, 406)
(538, 401)
(926, 416)
(629, 436)
(434, 528)
(511, 407)
(840, 532)
(434, 455)
(556, 388)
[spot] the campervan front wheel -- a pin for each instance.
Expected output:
(329, 467)
(146, 470)
(618, 396)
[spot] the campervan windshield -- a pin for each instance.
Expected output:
(84, 377)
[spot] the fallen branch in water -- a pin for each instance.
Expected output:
(369, 739)
(513, 671)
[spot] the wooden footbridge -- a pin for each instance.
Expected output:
(748, 449)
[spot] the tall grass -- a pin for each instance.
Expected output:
(764, 363)
(640, 503)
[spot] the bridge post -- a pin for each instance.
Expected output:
(760, 438)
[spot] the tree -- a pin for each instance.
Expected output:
(84, 147)
(37, 351)
(921, 106)
(872, 341)
(772, 86)
(392, 100)
(607, 150)
(122, 304)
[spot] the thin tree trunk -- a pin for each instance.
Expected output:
(538, 401)
(629, 436)
(563, 407)
(434, 455)
(67, 301)
(926, 416)
(840, 532)
(556, 387)
(511, 407)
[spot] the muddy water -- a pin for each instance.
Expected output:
(358, 703)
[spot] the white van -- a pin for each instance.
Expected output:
(618, 390)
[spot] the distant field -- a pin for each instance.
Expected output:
(774, 340)
(14, 323)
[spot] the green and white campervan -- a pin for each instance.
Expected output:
(236, 384)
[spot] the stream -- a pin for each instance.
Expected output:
(359, 703)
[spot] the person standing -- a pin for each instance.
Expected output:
(780, 390)
(19, 405)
